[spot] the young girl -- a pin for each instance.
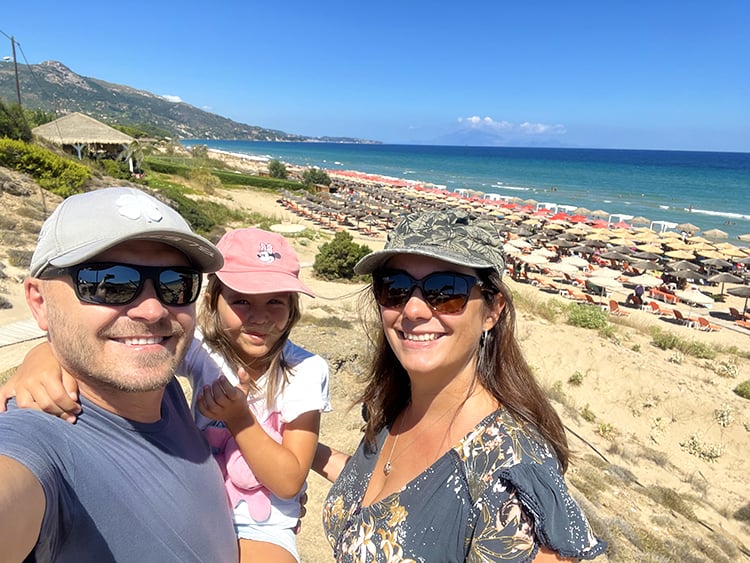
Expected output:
(256, 395)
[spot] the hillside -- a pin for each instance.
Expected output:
(53, 87)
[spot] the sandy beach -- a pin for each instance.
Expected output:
(659, 438)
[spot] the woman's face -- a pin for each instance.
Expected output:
(431, 344)
(253, 323)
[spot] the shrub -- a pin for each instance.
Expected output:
(276, 169)
(743, 389)
(313, 176)
(585, 316)
(52, 172)
(576, 379)
(336, 259)
(206, 181)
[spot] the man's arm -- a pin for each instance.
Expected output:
(22, 505)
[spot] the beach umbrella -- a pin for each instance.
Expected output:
(563, 267)
(622, 249)
(546, 252)
(723, 278)
(519, 243)
(602, 283)
(715, 233)
(645, 265)
(717, 263)
(694, 296)
(743, 260)
(562, 243)
(640, 221)
(581, 211)
(683, 265)
(576, 261)
(646, 280)
(740, 291)
(680, 254)
(533, 259)
(744, 238)
(647, 255)
(689, 227)
(583, 249)
(607, 273)
(650, 248)
(688, 275)
(613, 255)
(599, 213)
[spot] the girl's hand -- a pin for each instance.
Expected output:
(223, 401)
(40, 384)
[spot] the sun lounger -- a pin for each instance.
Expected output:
(573, 294)
(743, 324)
(687, 321)
(614, 309)
(705, 324)
(657, 310)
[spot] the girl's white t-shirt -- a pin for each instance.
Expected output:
(306, 391)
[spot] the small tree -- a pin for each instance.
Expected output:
(277, 169)
(336, 259)
(313, 176)
(13, 123)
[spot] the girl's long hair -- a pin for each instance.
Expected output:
(501, 369)
(215, 336)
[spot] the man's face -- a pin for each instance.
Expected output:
(132, 348)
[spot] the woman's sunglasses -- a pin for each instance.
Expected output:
(444, 292)
(120, 284)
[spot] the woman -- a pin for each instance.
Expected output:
(463, 456)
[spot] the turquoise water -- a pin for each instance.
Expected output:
(710, 190)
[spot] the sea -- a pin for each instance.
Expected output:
(710, 190)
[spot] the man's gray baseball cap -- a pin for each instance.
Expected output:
(85, 225)
(454, 236)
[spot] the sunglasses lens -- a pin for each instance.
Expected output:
(110, 285)
(178, 287)
(393, 290)
(119, 284)
(446, 293)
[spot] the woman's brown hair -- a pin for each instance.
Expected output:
(501, 369)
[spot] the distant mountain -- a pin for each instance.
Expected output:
(52, 86)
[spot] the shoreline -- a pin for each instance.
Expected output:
(621, 189)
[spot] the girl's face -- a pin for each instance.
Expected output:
(432, 345)
(253, 323)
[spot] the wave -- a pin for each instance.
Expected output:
(726, 214)
(516, 188)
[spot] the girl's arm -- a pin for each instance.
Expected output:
(282, 468)
(328, 462)
(40, 384)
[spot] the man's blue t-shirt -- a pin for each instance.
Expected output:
(119, 490)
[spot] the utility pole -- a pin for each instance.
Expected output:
(15, 67)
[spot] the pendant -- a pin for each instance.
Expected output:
(387, 468)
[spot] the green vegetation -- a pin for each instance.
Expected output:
(743, 389)
(576, 379)
(13, 124)
(586, 316)
(313, 176)
(668, 341)
(51, 171)
(336, 259)
(277, 169)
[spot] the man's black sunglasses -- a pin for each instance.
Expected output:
(444, 292)
(109, 283)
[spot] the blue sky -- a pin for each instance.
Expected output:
(663, 74)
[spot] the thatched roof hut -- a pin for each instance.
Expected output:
(79, 132)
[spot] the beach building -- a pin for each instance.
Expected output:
(82, 135)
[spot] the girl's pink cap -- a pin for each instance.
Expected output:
(258, 261)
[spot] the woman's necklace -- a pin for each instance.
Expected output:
(387, 467)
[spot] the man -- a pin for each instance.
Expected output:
(113, 281)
